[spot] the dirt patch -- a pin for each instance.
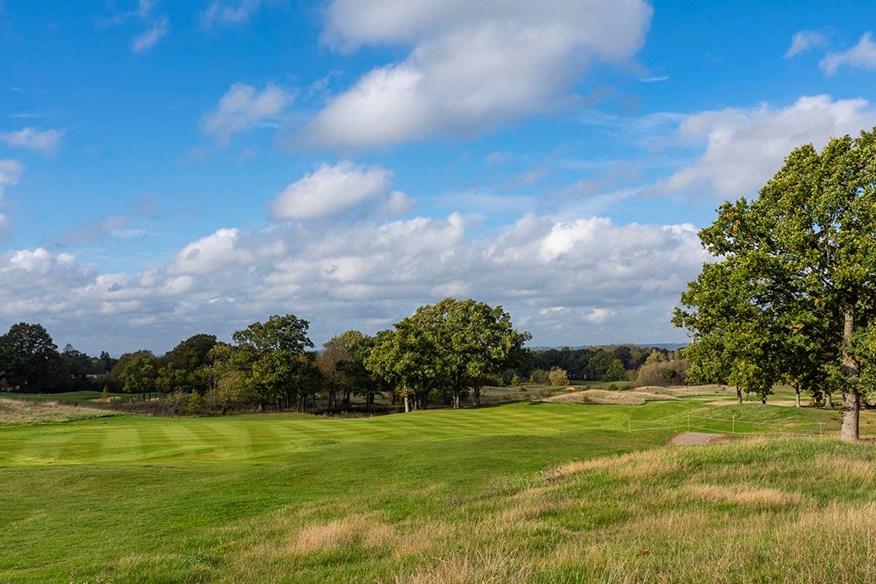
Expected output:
(697, 438)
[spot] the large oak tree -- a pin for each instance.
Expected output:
(793, 291)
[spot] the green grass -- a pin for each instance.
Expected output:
(484, 495)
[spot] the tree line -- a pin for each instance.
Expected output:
(443, 354)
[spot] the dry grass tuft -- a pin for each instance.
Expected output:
(607, 397)
(691, 390)
(368, 530)
(756, 497)
(483, 568)
(19, 412)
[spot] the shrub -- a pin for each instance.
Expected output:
(558, 377)
(663, 373)
(194, 406)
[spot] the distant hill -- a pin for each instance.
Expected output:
(666, 346)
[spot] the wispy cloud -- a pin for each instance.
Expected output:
(224, 12)
(656, 79)
(244, 107)
(45, 142)
(805, 40)
(157, 27)
(150, 37)
(10, 173)
(862, 55)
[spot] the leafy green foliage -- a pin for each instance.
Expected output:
(454, 345)
(794, 278)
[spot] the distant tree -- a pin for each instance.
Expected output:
(140, 373)
(77, 366)
(336, 352)
(454, 344)
(558, 377)
(183, 367)
(184, 364)
(29, 359)
(280, 371)
(615, 371)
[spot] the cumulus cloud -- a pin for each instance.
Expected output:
(471, 66)
(568, 282)
(745, 147)
(224, 249)
(862, 55)
(10, 173)
(223, 12)
(803, 41)
(45, 142)
(242, 108)
(330, 190)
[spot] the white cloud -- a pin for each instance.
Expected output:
(10, 173)
(157, 30)
(570, 282)
(862, 55)
(471, 66)
(229, 13)
(224, 249)
(745, 147)
(803, 41)
(330, 190)
(244, 107)
(157, 27)
(46, 142)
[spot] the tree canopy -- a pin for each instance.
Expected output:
(791, 294)
(452, 345)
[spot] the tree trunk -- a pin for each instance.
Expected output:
(797, 397)
(477, 397)
(851, 413)
(828, 401)
(851, 402)
(738, 394)
(455, 400)
(407, 403)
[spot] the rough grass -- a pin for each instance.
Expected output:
(14, 412)
(520, 493)
(607, 397)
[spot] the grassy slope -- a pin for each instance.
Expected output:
(484, 494)
(18, 412)
(80, 397)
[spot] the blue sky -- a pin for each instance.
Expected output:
(169, 168)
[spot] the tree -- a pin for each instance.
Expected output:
(452, 345)
(331, 361)
(140, 373)
(616, 371)
(29, 358)
(799, 263)
(184, 365)
(558, 377)
(279, 370)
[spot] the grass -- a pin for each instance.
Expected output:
(542, 492)
(17, 412)
(79, 397)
